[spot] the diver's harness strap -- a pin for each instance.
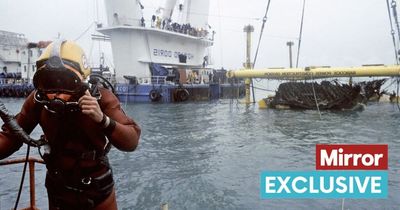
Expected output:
(88, 155)
(78, 192)
(77, 187)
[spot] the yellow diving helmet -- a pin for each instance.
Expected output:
(61, 68)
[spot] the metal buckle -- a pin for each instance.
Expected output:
(86, 180)
(89, 155)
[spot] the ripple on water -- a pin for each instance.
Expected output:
(210, 155)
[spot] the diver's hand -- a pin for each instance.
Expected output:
(90, 107)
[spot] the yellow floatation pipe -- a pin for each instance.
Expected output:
(316, 72)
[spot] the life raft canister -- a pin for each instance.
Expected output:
(155, 95)
(181, 94)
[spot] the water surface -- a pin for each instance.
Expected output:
(210, 155)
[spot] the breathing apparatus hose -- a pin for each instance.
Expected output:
(21, 135)
(95, 79)
(16, 130)
(22, 177)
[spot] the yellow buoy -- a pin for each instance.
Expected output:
(262, 104)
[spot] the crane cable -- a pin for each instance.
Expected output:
(392, 32)
(298, 55)
(396, 19)
(258, 45)
(84, 32)
(261, 32)
(300, 34)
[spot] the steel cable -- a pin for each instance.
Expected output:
(300, 34)
(258, 44)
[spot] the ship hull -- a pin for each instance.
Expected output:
(171, 93)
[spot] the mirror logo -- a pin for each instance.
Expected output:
(342, 171)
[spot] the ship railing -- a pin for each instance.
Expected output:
(159, 80)
(8, 81)
(202, 33)
(31, 161)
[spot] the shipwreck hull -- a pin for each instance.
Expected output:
(328, 95)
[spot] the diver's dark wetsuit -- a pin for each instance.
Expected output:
(79, 175)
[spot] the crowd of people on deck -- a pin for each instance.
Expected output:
(167, 24)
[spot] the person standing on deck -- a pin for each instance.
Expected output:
(78, 127)
(153, 21)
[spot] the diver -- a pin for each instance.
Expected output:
(79, 128)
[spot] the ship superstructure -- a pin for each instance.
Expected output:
(162, 59)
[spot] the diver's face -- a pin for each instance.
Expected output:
(58, 81)
(63, 96)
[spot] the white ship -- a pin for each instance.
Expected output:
(164, 60)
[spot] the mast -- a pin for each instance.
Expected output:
(248, 29)
(122, 12)
(168, 9)
(197, 13)
(290, 44)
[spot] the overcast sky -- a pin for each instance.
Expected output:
(336, 32)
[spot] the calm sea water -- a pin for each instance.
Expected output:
(210, 155)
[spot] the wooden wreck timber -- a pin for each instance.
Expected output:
(298, 95)
(326, 95)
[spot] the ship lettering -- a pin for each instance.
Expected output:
(162, 53)
(272, 74)
(326, 73)
(169, 53)
(348, 73)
